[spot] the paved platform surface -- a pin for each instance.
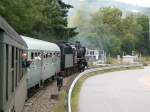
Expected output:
(123, 91)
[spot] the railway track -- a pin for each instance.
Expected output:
(41, 100)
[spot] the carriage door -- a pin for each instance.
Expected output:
(44, 67)
(34, 73)
(38, 64)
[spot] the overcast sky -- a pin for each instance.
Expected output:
(144, 3)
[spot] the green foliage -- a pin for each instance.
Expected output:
(111, 17)
(38, 18)
(110, 30)
(143, 39)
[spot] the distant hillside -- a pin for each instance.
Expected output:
(91, 5)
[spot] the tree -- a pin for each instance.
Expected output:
(38, 18)
(56, 14)
(19, 14)
(143, 40)
(128, 43)
(107, 29)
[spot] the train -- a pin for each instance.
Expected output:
(26, 62)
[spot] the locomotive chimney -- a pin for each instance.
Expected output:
(77, 44)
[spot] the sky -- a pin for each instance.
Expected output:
(95, 4)
(85, 4)
(143, 3)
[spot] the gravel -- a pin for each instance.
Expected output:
(42, 101)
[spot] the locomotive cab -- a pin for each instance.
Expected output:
(67, 61)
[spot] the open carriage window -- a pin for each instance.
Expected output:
(46, 55)
(50, 54)
(36, 54)
(58, 54)
(54, 54)
(32, 55)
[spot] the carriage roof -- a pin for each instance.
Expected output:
(5, 27)
(36, 44)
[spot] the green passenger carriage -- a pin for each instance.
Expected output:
(12, 73)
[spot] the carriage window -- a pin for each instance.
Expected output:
(58, 54)
(7, 72)
(47, 55)
(44, 56)
(16, 67)
(22, 70)
(39, 54)
(32, 55)
(20, 65)
(36, 54)
(91, 52)
(50, 54)
(18, 75)
(12, 69)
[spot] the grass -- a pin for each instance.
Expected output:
(77, 88)
(146, 60)
(62, 103)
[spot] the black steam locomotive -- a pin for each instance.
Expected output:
(72, 57)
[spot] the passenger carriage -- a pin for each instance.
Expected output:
(45, 58)
(12, 73)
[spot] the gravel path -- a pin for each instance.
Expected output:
(41, 101)
(123, 91)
